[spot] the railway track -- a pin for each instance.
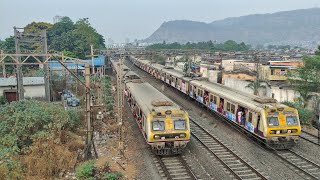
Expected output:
(307, 168)
(174, 168)
(238, 168)
(310, 137)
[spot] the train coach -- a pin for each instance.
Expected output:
(274, 123)
(164, 124)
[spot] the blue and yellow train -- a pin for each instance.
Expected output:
(276, 124)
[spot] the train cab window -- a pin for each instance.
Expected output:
(158, 125)
(250, 117)
(228, 106)
(179, 124)
(291, 120)
(273, 121)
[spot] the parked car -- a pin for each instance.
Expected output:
(75, 102)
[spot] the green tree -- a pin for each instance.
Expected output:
(255, 86)
(306, 79)
(318, 51)
(37, 27)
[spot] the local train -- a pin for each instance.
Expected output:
(274, 123)
(164, 125)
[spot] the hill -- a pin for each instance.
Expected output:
(288, 27)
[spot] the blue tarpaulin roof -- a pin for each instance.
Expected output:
(98, 61)
(54, 64)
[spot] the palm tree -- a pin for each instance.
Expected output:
(255, 86)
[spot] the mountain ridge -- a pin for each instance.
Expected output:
(285, 27)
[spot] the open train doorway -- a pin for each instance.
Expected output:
(241, 115)
(221, 106)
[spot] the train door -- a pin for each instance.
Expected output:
(221, 106)
(242, 115)
(250, 124)
(199, 95)
(173, 81)
(212, 102)
(231, 111)
(206, 98)
(167, 78)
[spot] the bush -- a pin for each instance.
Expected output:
(305, 115)
(3, 100)
(85, 171)
(33, 128)
(112, 176)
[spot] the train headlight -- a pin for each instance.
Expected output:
(272, 132)
(163, 138)
(182, 135)
(156, 137)
(278, 132)
(289, 131)
(294, 130)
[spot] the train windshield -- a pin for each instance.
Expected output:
(158, 125)
(291, 120)
(273, 121)
(179, 124)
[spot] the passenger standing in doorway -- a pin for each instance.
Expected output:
(239, 116)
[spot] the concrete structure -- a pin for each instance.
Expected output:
(228, 65)
(279, 69)
(33, 86)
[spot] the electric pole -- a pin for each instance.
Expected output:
(19, 77)
(92, 59)
(3, 66)
(45, 66)
(120, 105)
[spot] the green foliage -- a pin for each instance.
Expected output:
(3, 100)
(85, 171)
(74, 39)
(305, 115)
(255, 86)
(38, 73)
(37, 27)
(8, 45)
(318, 51)
(107, 93)
(112, 176)
(306, 79)
(22, 121)
(229, 45)
(158, 59)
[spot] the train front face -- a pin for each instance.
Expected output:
(169, 131)
(283, 127)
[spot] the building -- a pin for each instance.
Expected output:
(57, 19)
(279, 69)
(33, 88)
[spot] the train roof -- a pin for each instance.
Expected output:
(147, 97)
(251, 101)
(115, 66)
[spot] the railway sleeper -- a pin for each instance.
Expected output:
(174, 168)
(246, 176)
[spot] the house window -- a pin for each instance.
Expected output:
(272, 71)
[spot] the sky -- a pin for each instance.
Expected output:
(135, 19)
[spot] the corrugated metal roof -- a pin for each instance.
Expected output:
(12, 81)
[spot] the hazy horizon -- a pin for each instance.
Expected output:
(139, 19)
